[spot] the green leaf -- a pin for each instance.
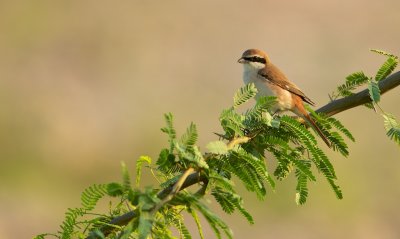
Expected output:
(217, 147)
(127, 230)
(42, 236)
(319, 158)
(352, 82)
(183, 231)
(338, 143)
(232, 122)
(224, 199)
(250, 170)
(145, 224)
(220, 181)
(126, 179)
(387, 68)
(167, 162)
(338, 125)
(336, 189)
(392, 127)
(92, 195)
(323, 163)
(303, 167)
(70, 221)
(356, 78)
(262, 106)
(190, 137)
(96, 234)
(197, 220)
(298, 129)
(258, 165)
(139, 162)
(284, 166)
(115, 189)
(169, 129)
(374, 91)
(380, 52)
(301, 188)
(244, 94)
(192, 156)
(229, 201)
(215, 222)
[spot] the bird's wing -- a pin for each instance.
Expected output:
(274, 76)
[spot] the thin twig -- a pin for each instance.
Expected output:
(237, 141)
(175, 189)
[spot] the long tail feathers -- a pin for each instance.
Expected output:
(319, 131)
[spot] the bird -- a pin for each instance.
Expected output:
(271, 81)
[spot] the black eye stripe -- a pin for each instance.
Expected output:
(255, 59)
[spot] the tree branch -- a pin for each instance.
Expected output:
(359, 98)
(175, 189)
(191, 178)
(124, 219)
(188, 178)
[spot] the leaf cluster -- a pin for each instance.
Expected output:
(359, 79)
(255, 149)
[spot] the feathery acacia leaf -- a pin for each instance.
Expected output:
(139, 162)
(374, 91)
(323, 163)
(42, 236)
(284, 167)
(197, 221)
(263, 105)
(387, 68)
(352, 82)
(126, 178)
(229, 201)
(338, 125)
(336, 189)
(298, 129)
(169, 129)
(179, 224)
(317, 155)
(244, 94)
(190, 137)
(145, 225)
(247, 174)
(338, 143)
(232, 122)
(380, 52)
(69, 223)
(392, 127)
(301, 188)
(303, 167)
(92, 195)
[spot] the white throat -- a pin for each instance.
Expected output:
(250, 72)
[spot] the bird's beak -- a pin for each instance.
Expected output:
(241, 60)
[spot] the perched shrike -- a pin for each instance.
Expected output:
(270, 81)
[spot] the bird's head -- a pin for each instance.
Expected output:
(254, 59)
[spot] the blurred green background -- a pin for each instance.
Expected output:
(84, 84)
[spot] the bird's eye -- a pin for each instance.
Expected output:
(256, 59)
